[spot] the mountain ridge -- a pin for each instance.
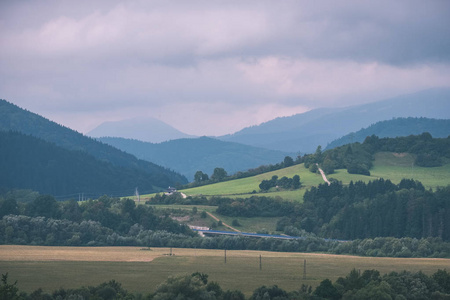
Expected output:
(199, 154)
(144, 129)
(321, 126)
(396, 127)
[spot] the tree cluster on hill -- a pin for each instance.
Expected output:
(284, 183)
(369, 284)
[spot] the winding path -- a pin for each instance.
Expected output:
(323, 175)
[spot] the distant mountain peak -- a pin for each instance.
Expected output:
(143, 129)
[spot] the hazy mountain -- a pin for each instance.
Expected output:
(395, 128)
(188, 156)
(303, 132)
(147, 130)
(16, 119)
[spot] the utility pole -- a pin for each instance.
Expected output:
(304, 269)
(260, 263)
(225, 255)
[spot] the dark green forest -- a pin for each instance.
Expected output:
(13, 118)
(369, 284)
(31, 163)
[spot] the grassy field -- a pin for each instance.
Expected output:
(245, 186)
(396, 167)
(141, 270)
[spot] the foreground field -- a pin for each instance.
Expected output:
(141, 269)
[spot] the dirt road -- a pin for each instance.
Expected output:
(323, 175)
(224, 224)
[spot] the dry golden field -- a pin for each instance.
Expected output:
(142, 269)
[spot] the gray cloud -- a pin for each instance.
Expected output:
(212, 67)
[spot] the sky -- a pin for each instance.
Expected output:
(215, 67)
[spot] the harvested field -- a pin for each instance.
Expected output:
(47, 253)
(141, 269)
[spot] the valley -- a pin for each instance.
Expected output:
(378, 204)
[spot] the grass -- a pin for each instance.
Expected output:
(70, 267)
(245, 186)
(396, 168)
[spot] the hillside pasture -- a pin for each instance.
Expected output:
(397, 166)
(387, 165)
(141, 270)
(245, 186)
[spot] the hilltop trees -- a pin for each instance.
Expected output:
(219, 174)
(284, 183)
(200, 177)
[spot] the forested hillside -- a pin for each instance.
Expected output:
(395, 128)
(16, 119)
(187, 156)
(31, 163)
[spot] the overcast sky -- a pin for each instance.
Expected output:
(214, 67)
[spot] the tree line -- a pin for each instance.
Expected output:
(369, 284)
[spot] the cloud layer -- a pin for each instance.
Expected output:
(213, 67)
